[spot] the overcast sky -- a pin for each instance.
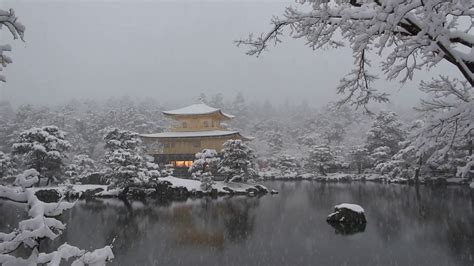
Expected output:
(168, 50)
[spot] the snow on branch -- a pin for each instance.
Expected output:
(358, 82)
(9, 20)
(415, 33)
(42, 225)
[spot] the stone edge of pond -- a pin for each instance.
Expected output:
(164, 191)
(349, 178)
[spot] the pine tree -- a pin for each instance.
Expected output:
(43, 149)
(205, 167)
(359, 158)
(387, 131)
(125, 158)
(6, 165)
(287, 165)
(80, 167)
(238, 162)
(320, 159)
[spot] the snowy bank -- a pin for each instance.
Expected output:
(166, 188)
(193, 187)
(369, 177)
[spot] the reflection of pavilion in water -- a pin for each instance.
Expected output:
(211, 223)
(194, 223)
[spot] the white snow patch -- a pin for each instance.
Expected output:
(190, 184)
(352, 207)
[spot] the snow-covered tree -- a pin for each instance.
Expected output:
(217, 101)
(6, 165)
(359, 157)
(381, 154)
(238, 162)
(387, 131)
(81, 166)
(125, 159)
(9, 20)
(42, 148)
(275, 142)
(205, 167)
(320, 159)
(446, 140)
(287, 165)
(408, 34)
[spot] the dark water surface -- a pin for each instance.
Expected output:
(406, 226)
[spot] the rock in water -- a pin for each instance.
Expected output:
(347, 218)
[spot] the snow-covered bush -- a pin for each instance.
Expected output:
(80, 167)
(205, 167)
(320, 159)
(467, 171)
(27, 179)
(168, 170)
(287, 166)
(42, 148)
(125, 158)
(238, 162)
(6, 165)
(380, 154)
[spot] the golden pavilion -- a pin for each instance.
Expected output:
(196, 127)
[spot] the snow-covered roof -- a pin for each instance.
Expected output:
(197, 109)
(195, 134)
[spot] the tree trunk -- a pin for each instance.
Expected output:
(469, 146)
(418, 168)
(321, 169)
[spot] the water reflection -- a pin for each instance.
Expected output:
(347, 229)
(406, 226)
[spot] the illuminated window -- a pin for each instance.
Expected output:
(182, 163)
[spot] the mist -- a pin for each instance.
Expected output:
(170, 51)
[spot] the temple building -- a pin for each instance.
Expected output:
(196, 127)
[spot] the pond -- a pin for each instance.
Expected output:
(406, 226)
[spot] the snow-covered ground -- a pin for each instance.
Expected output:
(175, 182)
(370, 177)
(221, 186)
